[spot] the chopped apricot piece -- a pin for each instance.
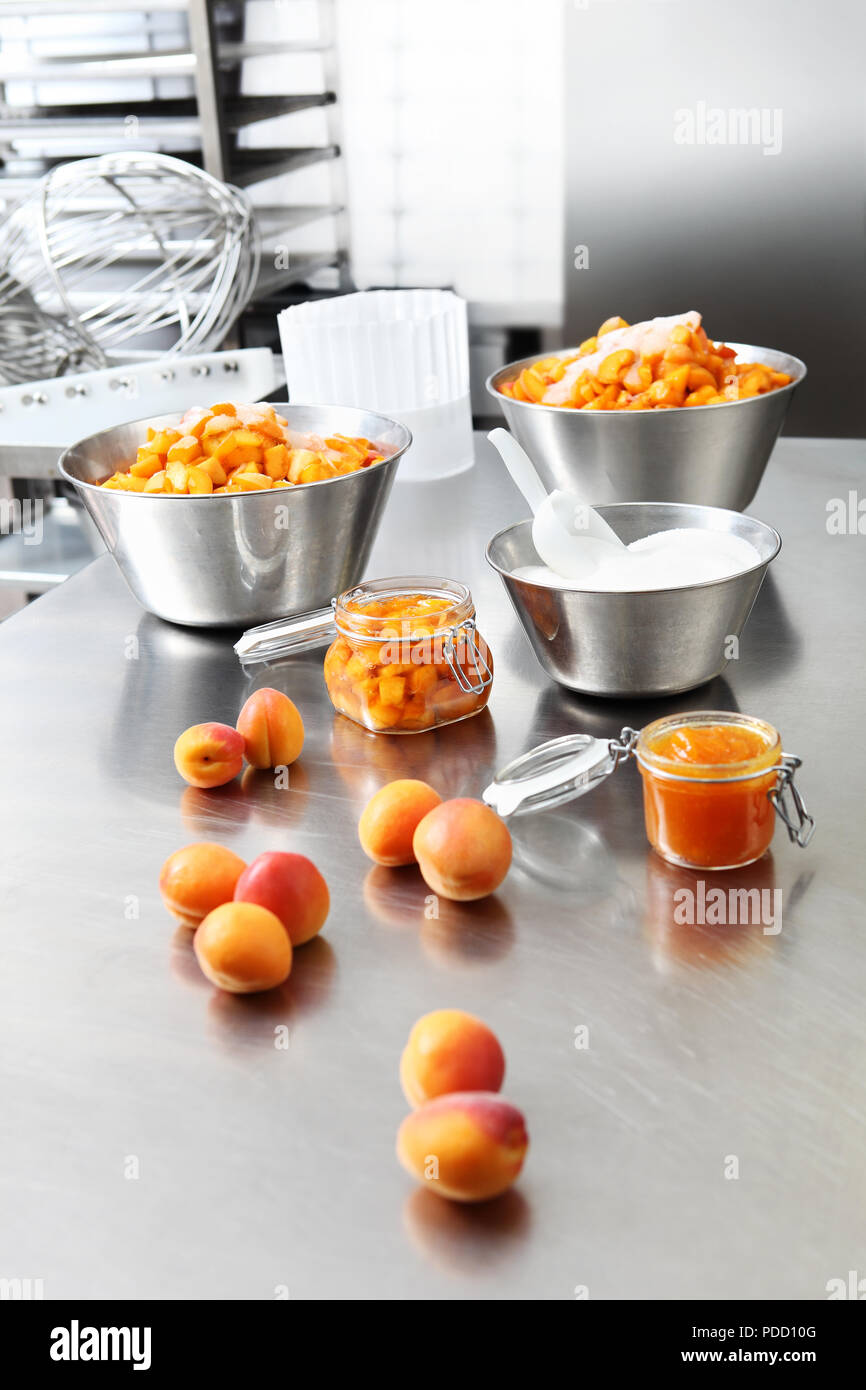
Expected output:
(614, 366)
(214, 470)
(146, 466)
(199, 481)
(218, 424)
(610, 324)
(250, 482)
(184, 450)
(276, 460)
(178, 476)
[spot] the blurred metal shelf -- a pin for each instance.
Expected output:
(207, 46)
(254, 166)
(35, 9)
(299, 269)
(163, 63)
(166, 117)
(275, 221)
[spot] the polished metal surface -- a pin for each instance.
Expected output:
(714, 455)
(210, 561)
(158, 1138)
(654, 642)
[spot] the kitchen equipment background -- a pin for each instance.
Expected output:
(403, 352)
(712, 455)
(723, 178)
(121, 254)
(654, 642)
(59, 410)
(247, 558)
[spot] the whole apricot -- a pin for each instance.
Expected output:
(290, 886)
(272, 729)
(468, 1146)
(196, 879)
(209, 755)
(463, 849)
(390, 818)
(243, 948)
(448, 1051)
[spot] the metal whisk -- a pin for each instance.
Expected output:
(117, 257)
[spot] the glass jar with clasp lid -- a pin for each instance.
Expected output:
(406, 654)
(713, 783)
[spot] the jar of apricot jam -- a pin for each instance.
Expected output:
(708, 784)
(713, 784)
(407, 656)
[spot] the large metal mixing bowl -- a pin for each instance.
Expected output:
(654, 642)
(714, 455)
(240, 559)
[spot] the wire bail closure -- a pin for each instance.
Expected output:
(483, 673)
(799, 824)
(622, 748)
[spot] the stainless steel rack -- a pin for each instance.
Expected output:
(203, 126)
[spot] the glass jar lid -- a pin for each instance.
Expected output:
(555, 772)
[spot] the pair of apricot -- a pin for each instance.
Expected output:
(247, 918)
(462, 848)
(461, 1139)
(269, 733)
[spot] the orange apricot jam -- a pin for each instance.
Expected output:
(706, 779)
(408, 656)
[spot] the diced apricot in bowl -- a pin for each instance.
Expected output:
(196, 879)
(209, 755)
(391, 817)
(449, 1050)
(469, 1145)
(238, 448)
(659, 364)
(243, 948)
(463, 849)
(272, 729)
(291, 887)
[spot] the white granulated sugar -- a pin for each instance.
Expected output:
(665, 560)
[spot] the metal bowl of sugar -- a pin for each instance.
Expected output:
(642, 642)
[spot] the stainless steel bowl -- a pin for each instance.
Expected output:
(657, 642)
(714, 455)
(237, 560)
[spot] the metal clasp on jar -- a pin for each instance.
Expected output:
(483, 673)
(622, 748)
(800, 825)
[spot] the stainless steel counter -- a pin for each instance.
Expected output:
(158, 1143)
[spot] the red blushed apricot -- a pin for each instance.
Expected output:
(390, 818)
(243, 948)
(463, 849)
(209, 755)
(468, 1146)
(196, 879)
(272, 729)
(449, 1051)
(290, 886)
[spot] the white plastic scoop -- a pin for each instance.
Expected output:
(571, 537)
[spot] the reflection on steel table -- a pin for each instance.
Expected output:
(261, 1166)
